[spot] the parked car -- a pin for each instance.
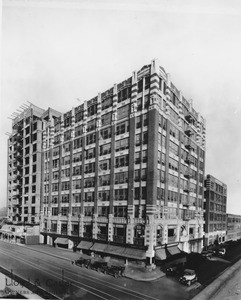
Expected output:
(99, 266)
(189, 277)
(207, 253)
(221, 252)
(82, 262)
(113, 270)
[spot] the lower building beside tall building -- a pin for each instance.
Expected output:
(124, 170)
(215, 206)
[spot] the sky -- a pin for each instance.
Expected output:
(57, 53)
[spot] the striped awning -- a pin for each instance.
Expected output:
(173, 250)
(86, 245)
(115, 250)
(62, 241)
(161, 254)
(98, 247)
(134, 253)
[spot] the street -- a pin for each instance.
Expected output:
(68, 281)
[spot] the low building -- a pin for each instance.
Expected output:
(215, 205)
(233, 227)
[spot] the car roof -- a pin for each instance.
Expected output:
(189, 270)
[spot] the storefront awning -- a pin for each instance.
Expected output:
(115, 250)
(173, 250)
(161, 254)
(98, 247)
(85, 245)
(134, 253)
(62, 241)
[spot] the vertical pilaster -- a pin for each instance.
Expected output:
(112, 159)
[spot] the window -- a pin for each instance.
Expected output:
(55, 187)
(147, 82)
(121, 194)
(55, 212)
(76, 184)
(124, 94)
(122, 161)
(66, 147)
(107, 102)
(77, 170)
(65, 173)
(104, 180)
(90, 139)
(92, 110)
(137, 175)
(140, 86)
(88, 211)
(56, 151)
(89, 182)
(105, 133)
(65, 186)
(104, 165)
(78, 130)
(121, 177)
(66, 160)
(122, 128)
(90, 168)
(137, 157)
(79, 116)
(123, 112)
(77, 198)
(103, 211)
(144, 156)
(89, 197)
(90, 153)
(120, 211)
(122, 144)
(67, 121)
(137, 193)
(106, 119)
(65, 198)
(64, 212)
(138, 140)
(91, 125)
(77, 157)
(77, 143)
(143, 174)
(104, 196)
(67, 135)
(139, 104)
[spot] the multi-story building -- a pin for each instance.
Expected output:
(233, 227)
(24, 166)
(215, 205)
(126, 168)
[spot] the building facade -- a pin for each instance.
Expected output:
(233, 227)
(24, 167)
(126, 168)
(215, 206)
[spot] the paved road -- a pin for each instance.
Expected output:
(67, 281)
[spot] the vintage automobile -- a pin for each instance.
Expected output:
(189, 277)
(221, 252)
(115, 271)
(82, 262)
(99, 266)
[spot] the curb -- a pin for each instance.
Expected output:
(221, 281)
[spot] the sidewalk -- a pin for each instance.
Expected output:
(136, 272)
